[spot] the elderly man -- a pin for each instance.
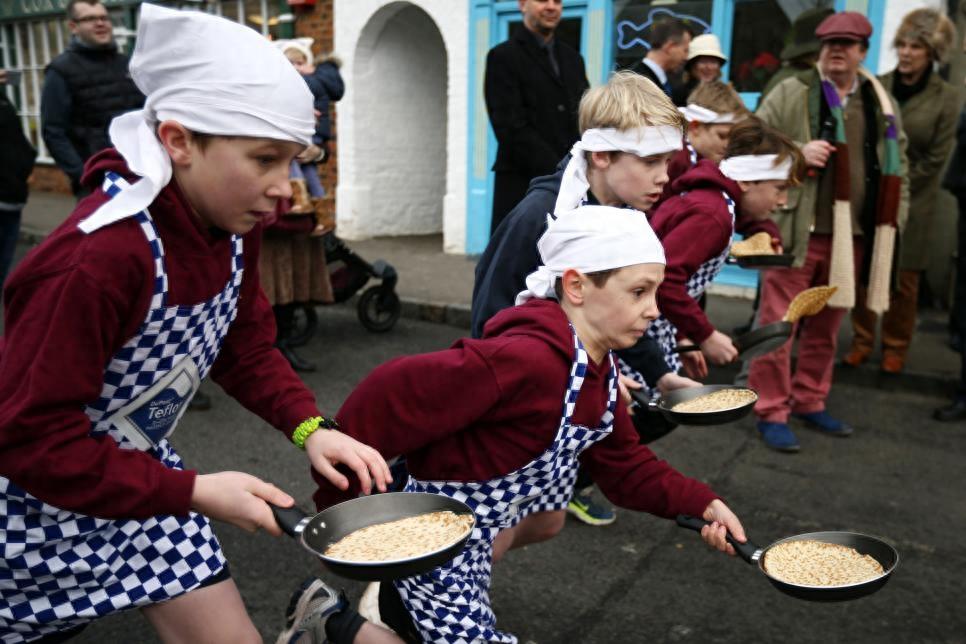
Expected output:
(840, 224)
(85, 87)
(533, 84)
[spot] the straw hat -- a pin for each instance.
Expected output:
(706, 45)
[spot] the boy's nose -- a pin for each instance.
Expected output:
(280, 188)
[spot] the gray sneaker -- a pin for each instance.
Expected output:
(309, 609)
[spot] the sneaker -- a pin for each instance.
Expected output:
(308, 610)
(587, 509)
(822, 421)
(778, 436)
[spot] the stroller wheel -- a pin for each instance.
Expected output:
(378, 308)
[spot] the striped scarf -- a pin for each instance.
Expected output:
(842, 268)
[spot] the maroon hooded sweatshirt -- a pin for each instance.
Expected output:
(695, 227)
(72, 303)
(485, 408)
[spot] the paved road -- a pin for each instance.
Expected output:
(643, 579)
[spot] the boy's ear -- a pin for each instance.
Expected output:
(744, 185)
(572, 285)
(177, 142)
(600, 160)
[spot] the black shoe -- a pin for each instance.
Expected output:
(298, 362)
(952, 412)
(303, 332)
(200, 402)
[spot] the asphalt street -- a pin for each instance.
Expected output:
(901, 477)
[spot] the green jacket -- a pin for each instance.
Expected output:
(793, 107)
(929, 121)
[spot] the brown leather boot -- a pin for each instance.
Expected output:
(855, 357)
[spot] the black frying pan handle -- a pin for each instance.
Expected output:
(745, 550)
(638, 396)
(290, 520)
(686, 348)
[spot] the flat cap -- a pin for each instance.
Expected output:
(848, 25)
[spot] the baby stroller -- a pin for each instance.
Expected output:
(378, 307)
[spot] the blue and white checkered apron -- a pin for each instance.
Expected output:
(61, 569)
(661, 329)
(692, 153)
(451, 604)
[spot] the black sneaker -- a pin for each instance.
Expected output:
(308, 610)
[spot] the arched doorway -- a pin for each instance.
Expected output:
(399, 93)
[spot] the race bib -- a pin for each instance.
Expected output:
(153, 415)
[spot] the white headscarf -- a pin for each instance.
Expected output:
(643, 142)
(695, 113)
(756, 167)
(591, 239)
(213, 76)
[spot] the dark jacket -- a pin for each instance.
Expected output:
(84, 89)
(644, 70)
(16, 156)
(955, 180)
(327, 86)
(512, 254)
(532, 111)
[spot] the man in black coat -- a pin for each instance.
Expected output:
(85, 87)
(669, 40)
(16, 163)
(532, 87)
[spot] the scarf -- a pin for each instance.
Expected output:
(842, 268)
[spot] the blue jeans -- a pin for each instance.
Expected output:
(9, 233)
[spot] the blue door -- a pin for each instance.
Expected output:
(505, 17)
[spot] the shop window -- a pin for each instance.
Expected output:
(761, 29)
(633, 19)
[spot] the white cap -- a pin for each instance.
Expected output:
(591, 239)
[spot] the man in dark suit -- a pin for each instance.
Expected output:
(532, 87)
(669, 41)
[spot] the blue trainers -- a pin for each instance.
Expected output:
(822, 421)
(778, 436)
(584, 507)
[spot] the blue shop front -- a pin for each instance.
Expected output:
(612, 34)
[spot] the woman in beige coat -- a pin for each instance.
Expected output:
(929, 107)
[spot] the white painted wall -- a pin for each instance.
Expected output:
(894, 13)
(403, 120)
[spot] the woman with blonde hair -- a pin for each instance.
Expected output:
(929, 107)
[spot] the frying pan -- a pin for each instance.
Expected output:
(763, 261)
(754, 343)
(667, 401)
(886, 555)
(318, 532)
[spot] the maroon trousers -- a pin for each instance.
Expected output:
(780, 391)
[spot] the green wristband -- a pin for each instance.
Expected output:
(308, 426)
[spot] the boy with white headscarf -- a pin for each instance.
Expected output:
(696, 228)
(629, 131)
(500, 443)
(112, 322)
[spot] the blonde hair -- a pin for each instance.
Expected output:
(718, 97)
(929, 27)
(627, 101)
